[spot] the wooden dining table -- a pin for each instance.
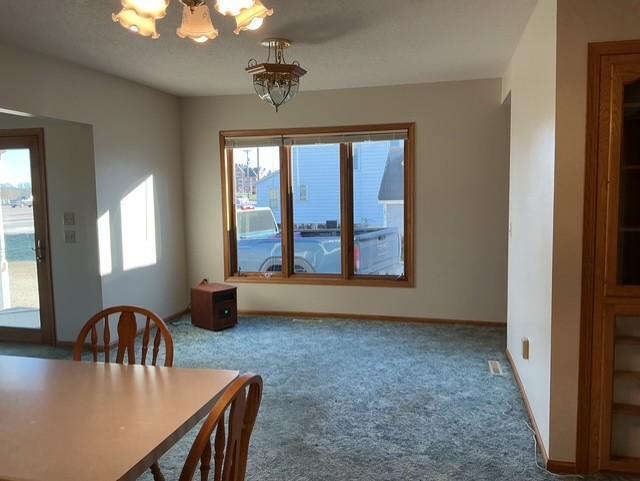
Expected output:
(76, 421)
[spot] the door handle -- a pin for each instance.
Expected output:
(39, 250)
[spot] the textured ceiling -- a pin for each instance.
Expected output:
(342, 43)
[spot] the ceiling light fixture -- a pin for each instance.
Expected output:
(129, 19)
(139, 16)
(232, 7)
(252, 18)
(156, 9)
(196, 24)
(276, 81)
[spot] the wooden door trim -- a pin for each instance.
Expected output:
(35, 139)
(588, 403)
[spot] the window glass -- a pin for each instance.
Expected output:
(311, 204)
(316, 222)
(258, 217)
(378, 205)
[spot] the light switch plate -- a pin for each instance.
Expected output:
(70, 236)
(69, 218)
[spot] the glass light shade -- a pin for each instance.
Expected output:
(252, 18)
(129, 19)
(147, 8)
(233, 7)
(276, 89)
(197, 25)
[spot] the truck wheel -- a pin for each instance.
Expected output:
(300, 267)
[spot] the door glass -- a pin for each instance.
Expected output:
(19, 298)
(629, 235)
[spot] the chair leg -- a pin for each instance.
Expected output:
(157, 474)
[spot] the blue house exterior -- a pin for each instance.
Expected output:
(316, 184)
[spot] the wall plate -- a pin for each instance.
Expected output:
(70, 236)
(69, 218)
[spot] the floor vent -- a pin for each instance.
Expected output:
(495, 368)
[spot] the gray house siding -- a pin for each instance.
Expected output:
(316, 184)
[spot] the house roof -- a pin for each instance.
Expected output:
(269, 176)
(392, 184)
(246, 170)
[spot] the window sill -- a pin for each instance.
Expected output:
(306, 279)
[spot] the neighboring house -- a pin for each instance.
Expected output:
(316, 185)
(391, 194)
(246, 181)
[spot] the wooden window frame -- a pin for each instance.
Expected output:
(288, 276)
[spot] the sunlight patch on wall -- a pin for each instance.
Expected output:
(104, 243)
(137, 211)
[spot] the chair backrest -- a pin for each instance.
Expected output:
(239, 406)
(127, 329)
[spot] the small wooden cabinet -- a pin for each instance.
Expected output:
(214, 306)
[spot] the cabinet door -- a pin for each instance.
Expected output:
(620, 447)
(620, 132)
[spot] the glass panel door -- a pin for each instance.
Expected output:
(26, 294)
(629, 224)
(19, 295)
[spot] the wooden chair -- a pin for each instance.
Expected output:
(127, 331)
(231, 443)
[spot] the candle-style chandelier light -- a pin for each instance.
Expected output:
(140, 16)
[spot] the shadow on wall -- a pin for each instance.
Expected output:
(137, 230)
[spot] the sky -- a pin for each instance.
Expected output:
(269, 158)
(15, 167)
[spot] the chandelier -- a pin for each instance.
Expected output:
(276, 81)
(140, 16)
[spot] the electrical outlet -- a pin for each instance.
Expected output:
(525, 348)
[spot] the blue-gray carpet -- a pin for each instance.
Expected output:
(366, 401)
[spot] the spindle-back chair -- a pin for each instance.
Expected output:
(239, 406)
(127, 330)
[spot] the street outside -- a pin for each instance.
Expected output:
(19, 244)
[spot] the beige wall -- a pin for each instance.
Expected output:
(461, 195)
(136, 133)
(71, 186)
(531, 82)
(579, 22)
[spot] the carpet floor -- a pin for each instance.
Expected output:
(366, 401)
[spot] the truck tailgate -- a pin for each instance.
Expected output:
(378, 250)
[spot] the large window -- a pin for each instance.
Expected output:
(320, 206)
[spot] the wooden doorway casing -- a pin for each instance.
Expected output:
(602, 298)
(33, 140)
